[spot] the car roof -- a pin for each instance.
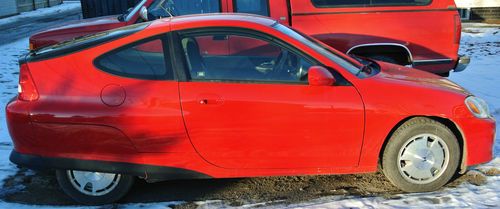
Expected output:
(215, 19)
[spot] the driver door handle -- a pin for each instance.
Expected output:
(210, 99)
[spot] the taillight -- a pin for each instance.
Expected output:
(26, 88)
(32, 45)
(458, 29)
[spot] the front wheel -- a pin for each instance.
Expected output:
(422, 155)
(94, 188)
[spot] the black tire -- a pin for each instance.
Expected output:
(124, 184)
(402, 137)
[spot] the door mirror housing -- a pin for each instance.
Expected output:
(143, 13)
(320, 76)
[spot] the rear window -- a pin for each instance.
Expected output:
(84, 42)
(365, 3)
(258, 7)
(165, 8)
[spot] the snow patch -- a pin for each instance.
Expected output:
(40, 12)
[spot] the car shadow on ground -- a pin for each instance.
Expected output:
(41, 188)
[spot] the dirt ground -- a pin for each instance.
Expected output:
(41, 188)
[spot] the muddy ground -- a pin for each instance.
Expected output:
(41, 188)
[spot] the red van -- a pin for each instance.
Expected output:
(424, 34)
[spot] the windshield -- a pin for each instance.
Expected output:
(131, 11)
(165, 8)
(351, 65)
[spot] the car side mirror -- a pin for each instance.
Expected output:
(144, 13)
(320, 76)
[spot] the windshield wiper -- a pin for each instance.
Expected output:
(121, 18)
(366, 68)
(366, 64)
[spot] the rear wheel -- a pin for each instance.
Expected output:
(422, 155)
(94, 188)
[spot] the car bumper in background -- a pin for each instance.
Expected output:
(462, 63)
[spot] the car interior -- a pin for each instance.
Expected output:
(243, 63)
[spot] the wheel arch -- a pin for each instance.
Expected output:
(445, 121)
(388, 48)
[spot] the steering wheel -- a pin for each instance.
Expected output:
(287, 64)
(281, 61)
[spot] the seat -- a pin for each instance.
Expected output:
(195, 60)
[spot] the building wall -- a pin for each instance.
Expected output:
(29, 5)
(477, 3)
(479, 10)
(485, 14)
(97, 8)
(8, 8)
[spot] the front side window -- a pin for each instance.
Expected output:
(250, 59)
(351, 65)
(258, 7)
(362, 3)
(143, 60)
(166, 8)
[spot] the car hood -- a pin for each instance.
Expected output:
(106, 20)
(415, 77)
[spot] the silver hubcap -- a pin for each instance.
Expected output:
(423, 158)
(93, 183)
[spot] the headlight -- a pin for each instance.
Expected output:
(478, 107)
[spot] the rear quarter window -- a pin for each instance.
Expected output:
(144, 60)
(258, 7)
(368, 3)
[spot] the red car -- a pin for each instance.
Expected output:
(157, 101)
(421, 33)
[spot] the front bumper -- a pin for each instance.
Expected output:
(479, 137)
(462, 63)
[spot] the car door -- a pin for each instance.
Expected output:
(258, 111)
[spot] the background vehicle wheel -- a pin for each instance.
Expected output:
(94, 188)
(385, 59)
(422, 155)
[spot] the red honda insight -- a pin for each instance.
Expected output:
(165, 100)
